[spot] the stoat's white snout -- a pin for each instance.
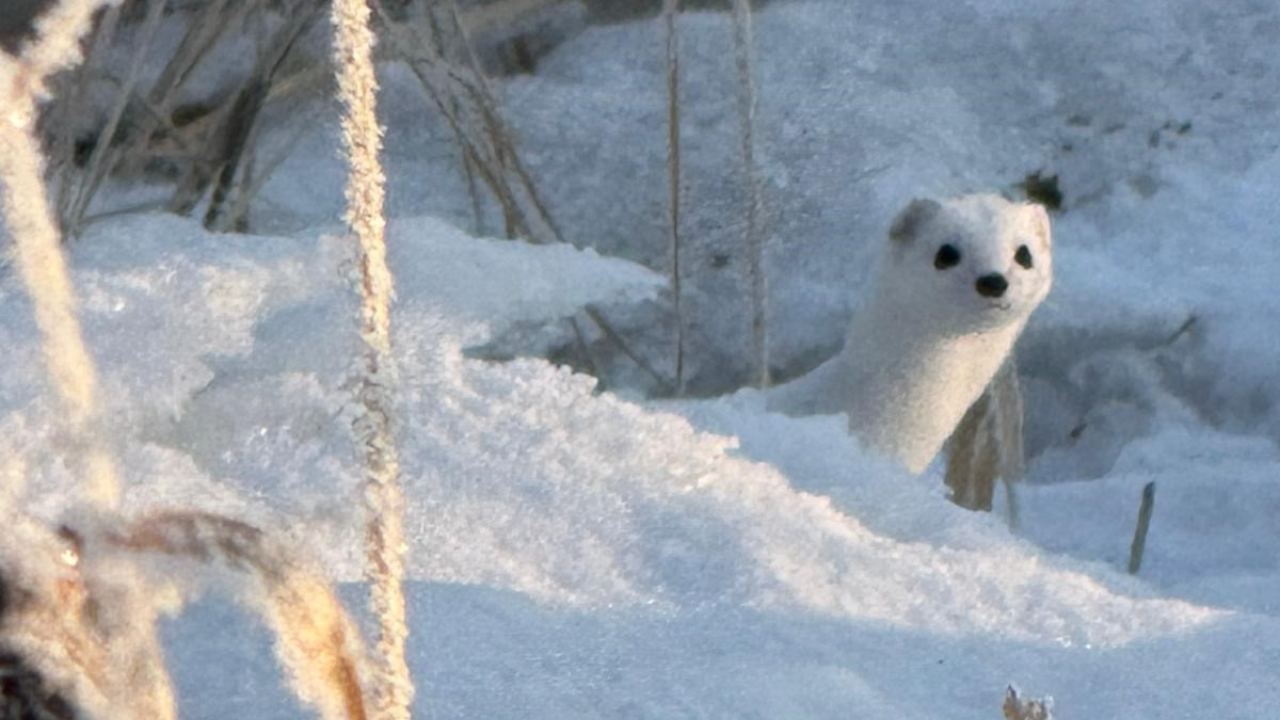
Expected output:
(992, 285)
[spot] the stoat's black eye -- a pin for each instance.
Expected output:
(948, 256)
(1023, 257)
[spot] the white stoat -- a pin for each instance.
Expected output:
(957, 281)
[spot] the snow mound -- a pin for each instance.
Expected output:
(180, 319)
(577, 555)
(656, 511)
(519, 477)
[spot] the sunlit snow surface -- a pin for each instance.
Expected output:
(581, 555)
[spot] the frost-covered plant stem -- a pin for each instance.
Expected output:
(37, 240)
(742, 44)
(56, 47)
(362, 138)
(670, 9)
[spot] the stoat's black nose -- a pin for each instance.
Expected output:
(992, 286)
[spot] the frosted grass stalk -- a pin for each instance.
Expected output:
(38, 251)
(38, 241)
(362, 138)
(56, 47)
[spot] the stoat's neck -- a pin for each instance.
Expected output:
(908, 383)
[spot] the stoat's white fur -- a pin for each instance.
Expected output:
(925, 343)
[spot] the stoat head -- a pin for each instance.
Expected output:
(969, 264)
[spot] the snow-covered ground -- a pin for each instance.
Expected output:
(576, 554)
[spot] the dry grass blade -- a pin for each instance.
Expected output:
(108, 664)
(1006, 392)
(37, 240)
(971, 458)
(315, 639)
(501, 13)
(318, 643)
(89, 636)
(202, 34)
(664, 387)
(461, 93)
(80, 612)
(987, 444)
(89, 628)
(670, 12)
(540, 223)
(98, 165)
(357, 88)
(257, 173)
(239, 130)
(743, 54)
(42, 631)
(462, 96)
(206, 140)
(72, 105)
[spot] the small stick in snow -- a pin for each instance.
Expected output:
(1140, 533)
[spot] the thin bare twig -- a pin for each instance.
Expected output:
(242, 122)
(743, 43)
(664, 386)
(97, 167)
(463, 97)
(74, 102)
(670, 12)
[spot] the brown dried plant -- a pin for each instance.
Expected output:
(987, 445)
(437, 47)
(78, 609)
(1018, 708)
(79, 601)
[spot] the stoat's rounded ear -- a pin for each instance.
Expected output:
(1040, 221)
(912, 218)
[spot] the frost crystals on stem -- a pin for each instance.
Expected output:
(38, 242)
(362, 139)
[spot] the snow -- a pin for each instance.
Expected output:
(583, 554)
